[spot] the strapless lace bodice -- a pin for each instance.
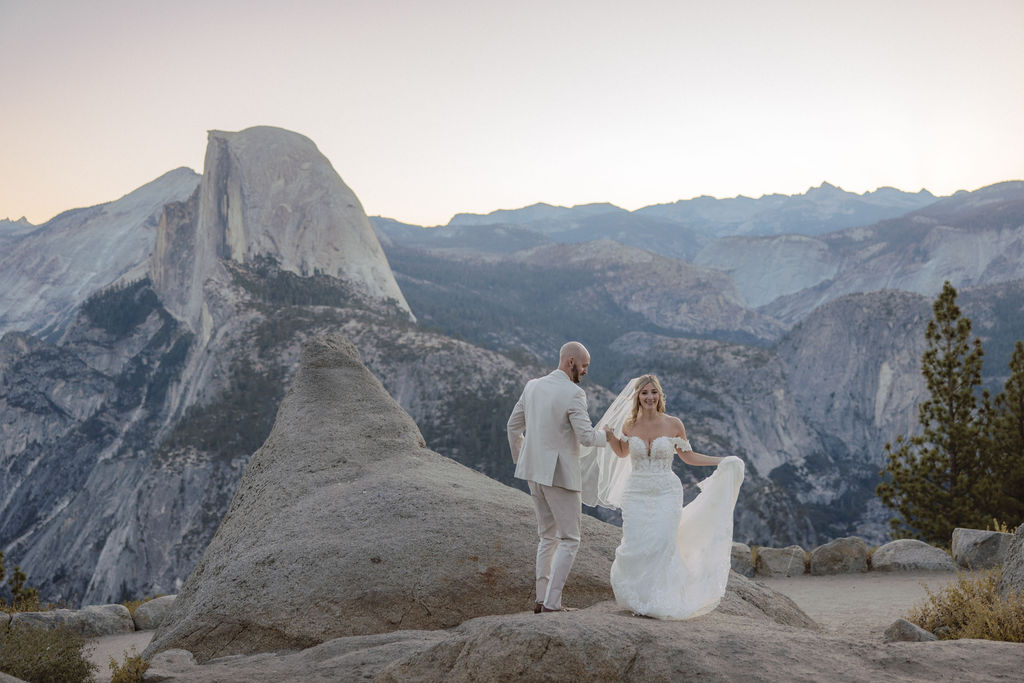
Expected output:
(659, 457)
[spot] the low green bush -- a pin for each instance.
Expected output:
(43, 655)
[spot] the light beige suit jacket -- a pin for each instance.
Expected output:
(553, 413)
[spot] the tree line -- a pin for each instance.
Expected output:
(966, 467)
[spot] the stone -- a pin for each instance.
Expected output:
(168, 665)
(846, 555)
(7, 678)
(788, 561)
(344, 523)
(742, 559)
(977, 549)
(149, 614)
(903, 630)
(94, 621)
(44, 620)
(751, 599)
(1012, 579)
(909, 554)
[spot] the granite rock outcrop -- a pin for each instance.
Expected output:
(345, 519)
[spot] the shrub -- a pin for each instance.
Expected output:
(131, 670)
(971, 607)
(24, 598)
(43, 655)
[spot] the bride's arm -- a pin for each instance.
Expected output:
(618, 446)
(691, 457)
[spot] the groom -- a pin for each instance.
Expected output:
(553, 412)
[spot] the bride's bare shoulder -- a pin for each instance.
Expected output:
(675, 425)
(627, 426)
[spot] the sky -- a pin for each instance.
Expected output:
(428, 108)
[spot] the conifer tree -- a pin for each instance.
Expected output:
(938, 480)
(1007, 443)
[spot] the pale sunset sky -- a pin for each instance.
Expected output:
(430, 108)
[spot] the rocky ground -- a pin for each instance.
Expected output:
(852, 611)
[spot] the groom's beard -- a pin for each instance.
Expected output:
(574, 374)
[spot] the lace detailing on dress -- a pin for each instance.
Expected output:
(657, 458)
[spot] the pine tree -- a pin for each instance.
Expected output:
(1007, 443)
(938, 480)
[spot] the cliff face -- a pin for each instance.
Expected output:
(266, 193)
(48, 271)
(971, 239)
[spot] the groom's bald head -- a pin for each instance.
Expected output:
(573, 360)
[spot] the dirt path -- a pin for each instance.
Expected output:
(115, 646)
(860, 606)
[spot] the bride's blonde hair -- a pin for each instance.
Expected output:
(641, 382)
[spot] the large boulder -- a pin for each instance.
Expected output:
(344, 523)
(151, 613)
(842, 556)
(92, 621)
(742, 559)
(746, 598)
(909, 554)
(1013, 566)
(977, 549)
(788, 561)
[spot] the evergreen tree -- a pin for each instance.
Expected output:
(1007, 443)
(938, 480)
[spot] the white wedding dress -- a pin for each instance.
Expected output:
(673, 561)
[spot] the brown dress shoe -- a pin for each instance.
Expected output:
(537, 607)
(545, 608)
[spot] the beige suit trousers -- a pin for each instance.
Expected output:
(558, 525)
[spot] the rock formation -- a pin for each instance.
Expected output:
(909, 554)
(980, 549)
(1012, 579)
(788, 561)
(266, 192)
(840, 556)
(344, 523)
(47, 272)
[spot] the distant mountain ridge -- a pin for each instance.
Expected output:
(819, 210)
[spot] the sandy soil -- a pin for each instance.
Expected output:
(107, 647)
(860, 606)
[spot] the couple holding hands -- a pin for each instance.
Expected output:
(673, 561)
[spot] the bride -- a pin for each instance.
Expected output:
(673, 561)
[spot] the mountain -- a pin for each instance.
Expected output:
(534, 300)
(48, 271)
(971, 239)
(128, 433)
(680, 230)
(11, 229)
(266, 194)
(132, 401)
(820, 210)
(540, 213)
